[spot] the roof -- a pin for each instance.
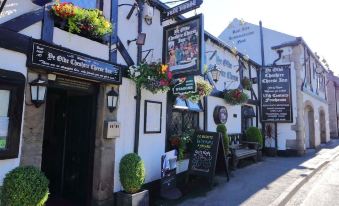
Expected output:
(296, 42)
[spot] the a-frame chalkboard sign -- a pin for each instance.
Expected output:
(208, 152)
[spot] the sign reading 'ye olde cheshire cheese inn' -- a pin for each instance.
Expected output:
(276, 99)
(61, 60)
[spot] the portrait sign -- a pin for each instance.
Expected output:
(183, 46)
(276, 97)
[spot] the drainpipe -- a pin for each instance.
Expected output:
(300, 131)
(138, 93)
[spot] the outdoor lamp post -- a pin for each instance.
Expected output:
(112, 100)
(38, 91)
(215, 72)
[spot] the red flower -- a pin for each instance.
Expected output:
(169, 75)
(163, 82)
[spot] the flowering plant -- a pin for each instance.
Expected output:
(235, 96)
(246, 83)
(204, 88)
(85, 22)
(154, 77)
(183, 142)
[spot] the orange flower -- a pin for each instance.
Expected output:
(164, 68)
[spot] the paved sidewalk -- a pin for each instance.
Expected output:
(270, 182)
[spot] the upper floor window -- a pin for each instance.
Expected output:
(11, 103)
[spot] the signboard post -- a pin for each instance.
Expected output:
(61, 60)
(208, 147)
(183, 46)
(276, 96)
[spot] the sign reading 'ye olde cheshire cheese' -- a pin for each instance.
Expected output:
(276, 98)
(61, 60)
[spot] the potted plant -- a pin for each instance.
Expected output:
(246, 83)
(235, 96)
(132, 177)
(89, 23)
(204, 88)
(253, 134)
(25, 186)
(154, 77)
(221, 128)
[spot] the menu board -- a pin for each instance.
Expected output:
(276, 97)
(204, 156)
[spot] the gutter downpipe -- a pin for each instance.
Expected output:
(138, 92)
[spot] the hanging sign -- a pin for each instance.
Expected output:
(208, 149)
(183, 46)
(62, 60)
(181, 9)
(185, 85)
(276, 97)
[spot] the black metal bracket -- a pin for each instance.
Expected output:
(133, 7)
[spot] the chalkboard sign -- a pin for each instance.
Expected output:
(276, 98)
(206, 148)
(185, 85)
(61, 60)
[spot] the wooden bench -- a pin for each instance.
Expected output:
(241, 149)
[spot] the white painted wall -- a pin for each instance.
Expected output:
(14, 8)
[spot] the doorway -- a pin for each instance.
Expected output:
(322, 125)
(309, 127)
(68, 145)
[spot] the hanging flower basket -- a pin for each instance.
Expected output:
(89, 23)
(154, 77)
(204, 88)
(235, 96)
(246, 83)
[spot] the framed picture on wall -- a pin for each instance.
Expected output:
(152, 117)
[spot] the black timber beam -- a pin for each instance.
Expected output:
(14, 41)
(23, 21)
(124, 53)
(47, 28)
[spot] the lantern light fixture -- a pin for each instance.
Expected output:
(38, 91)
(112, 99)
(215, 72)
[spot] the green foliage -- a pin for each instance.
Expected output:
(246, 83)
(253, 134)
(235, 96)
(222, 129)
(132, 172)
(154, 77)
(204, 88)
(25, 186)
(86, 22)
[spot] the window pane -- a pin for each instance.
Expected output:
(4, 119)
(88, 4)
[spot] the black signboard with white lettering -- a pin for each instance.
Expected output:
(185, 85)
(61, 60)
(276, 97)
(181, 9)
(208, 147)
(183, 46)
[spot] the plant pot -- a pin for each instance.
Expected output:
(137, 199)
(271, 152)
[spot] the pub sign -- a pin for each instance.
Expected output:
(61, 60)
(183, 46)
(276, 97)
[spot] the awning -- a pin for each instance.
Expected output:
(248, 112)
(187, 105)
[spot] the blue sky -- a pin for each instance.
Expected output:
(315, 21)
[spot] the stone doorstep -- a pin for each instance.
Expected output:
(313, 166)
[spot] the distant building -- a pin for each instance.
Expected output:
(309, 125)
(333, 95)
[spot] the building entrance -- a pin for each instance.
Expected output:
(67, 154)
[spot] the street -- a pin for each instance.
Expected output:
(275, 180)
(322, 189)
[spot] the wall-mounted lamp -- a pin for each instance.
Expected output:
(215, 72)
(319, 70)
(140, 40)
(148, 14)
(38, 91)
(112, 100)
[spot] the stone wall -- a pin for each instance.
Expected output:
(332, 108)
